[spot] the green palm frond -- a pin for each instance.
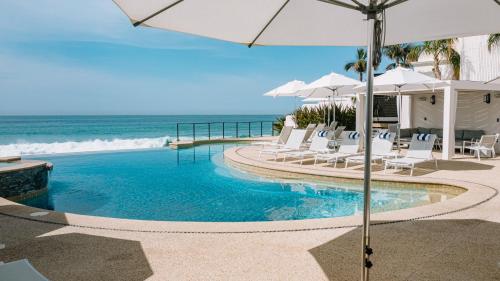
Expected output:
(493, 40)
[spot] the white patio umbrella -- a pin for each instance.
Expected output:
(323, 23)
(289, 89)
(328, 86)
(402, 79)
(494, 81)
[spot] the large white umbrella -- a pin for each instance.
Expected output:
(289, 89)
(402, 79)
(494, 81)
(323, 23)
(328, 86)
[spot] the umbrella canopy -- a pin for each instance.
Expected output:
(402, 79)
(287, 90)
(318, 23)
(332, 84)
(494, 81)
(324, 23)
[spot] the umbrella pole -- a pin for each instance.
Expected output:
(366, 250)
(399, 119)
(328, 112)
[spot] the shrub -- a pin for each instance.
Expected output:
(345, 116)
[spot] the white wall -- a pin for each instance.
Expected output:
(472, 112)
(425, 114)
(477, 63)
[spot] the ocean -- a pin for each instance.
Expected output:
(46, 135)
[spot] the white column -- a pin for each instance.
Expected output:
(449, 117)
(406, 111)
(360, 112)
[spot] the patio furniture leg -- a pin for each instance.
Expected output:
(411, 171)
(335, 165)
(436, 163)
(346, 163)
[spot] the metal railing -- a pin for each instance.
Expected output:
(223, 130)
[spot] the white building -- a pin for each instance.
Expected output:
(461, 104)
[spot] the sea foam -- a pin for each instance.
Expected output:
(95, 145)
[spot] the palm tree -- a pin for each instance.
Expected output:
(443, 49)
(493, 40)
(359, 64)
(401, 55)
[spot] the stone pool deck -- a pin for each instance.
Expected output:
(452, 240)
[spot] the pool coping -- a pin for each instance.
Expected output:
(475, 195)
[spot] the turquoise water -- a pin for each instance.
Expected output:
(36, 135)
(195, 185)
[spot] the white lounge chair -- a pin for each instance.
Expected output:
(319, 127)
(382, 145)
(20, 270)
(309, 131)
(319, 144)
(485, 145)
(420, 151)
(282, 138)
(336, 137)
(333, 125)
(294, 142)
(349, 147)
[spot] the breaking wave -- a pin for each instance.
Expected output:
(95, 145)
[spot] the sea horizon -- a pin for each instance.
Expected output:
(23, 135)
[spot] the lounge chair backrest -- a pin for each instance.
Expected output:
(393, 128)
(320, 141)
(309, 130)
(333, 125)
(338, 132)
(421, 146)
(284, 135)
(296, 139)
(350, 142)
(382, 143)
(488, 141)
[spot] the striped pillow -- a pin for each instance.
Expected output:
(384, 136)
(353, 135)
(323, 134)
(423, 137)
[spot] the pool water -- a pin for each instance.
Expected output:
(196, 185)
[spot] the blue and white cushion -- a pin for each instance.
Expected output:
(323, 134)
(423, 137)
(353, 135)
(384, 136)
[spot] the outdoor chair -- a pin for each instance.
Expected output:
(420, 151)
(282, 138)
(485, 145)
(350, 146)
(336, 137)
(309, 131)
(20, 270)
(318, 145)
(294, 142)
(382, 145)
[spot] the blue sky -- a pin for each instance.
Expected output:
(84, 57)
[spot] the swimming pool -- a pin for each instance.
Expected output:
(196, 185)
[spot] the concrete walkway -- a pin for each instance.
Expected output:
(461, 245)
